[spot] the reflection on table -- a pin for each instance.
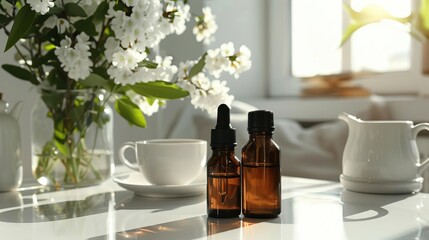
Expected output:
(311, 209)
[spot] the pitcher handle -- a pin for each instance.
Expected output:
(122, 157)
(419, 127)
(415, 131)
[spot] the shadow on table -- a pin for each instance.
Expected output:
(355, 203)
(133, 202)
(410, 214)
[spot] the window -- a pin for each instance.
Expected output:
(312, 32)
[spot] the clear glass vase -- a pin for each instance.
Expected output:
(72, 138)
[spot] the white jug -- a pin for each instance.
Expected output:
(382, 156)
(10, 147)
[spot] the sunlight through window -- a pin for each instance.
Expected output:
(317, 30)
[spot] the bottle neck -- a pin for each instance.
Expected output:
(223, 149)
(223, 152)
(261, 134)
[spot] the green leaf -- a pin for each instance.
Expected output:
(52, 100)
(87, 26)
(150, 100)
(148, 64)
(94, 80)
(43, 60)
(12, 2)
(20, 73)
(55, 10)
(120, 6)
(74, 10)
(61, 147)
(100, 12)
(4, 21)
(77, 115)
(424, 17)
(159, 89)
(101, 118)
(23, 21)
(49, 47)
(351, 28)
(100, 70)
(59, 135)
(130, 112)
(198, 67)
(370, 14)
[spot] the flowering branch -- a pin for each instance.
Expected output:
(106, 44)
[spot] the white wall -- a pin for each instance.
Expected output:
(244, 22)
(240, 21)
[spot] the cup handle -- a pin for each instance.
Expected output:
(416, 129)
(122, 157)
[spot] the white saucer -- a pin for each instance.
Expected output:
(381, 187)
(140, 186)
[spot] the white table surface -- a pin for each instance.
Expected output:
(311, 209)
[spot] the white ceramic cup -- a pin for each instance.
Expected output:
(167, 161)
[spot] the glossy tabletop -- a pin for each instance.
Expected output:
(311, 209)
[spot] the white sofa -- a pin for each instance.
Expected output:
(314, 152)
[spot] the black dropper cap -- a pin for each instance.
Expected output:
(223, 135)
(260, 121)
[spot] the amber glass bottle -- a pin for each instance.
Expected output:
(261, 179)
(223, 170)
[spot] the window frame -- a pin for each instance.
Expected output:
(283, 84)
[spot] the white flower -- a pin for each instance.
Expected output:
(142, 28)
(130, 2)
(200, 81)
(241, 63)
(41, 6)
(227, 49)
(80, 69)
(180, 13)
(127, 59)
(119, 59)
(50, 22)
(166, 27)
(205, 26)
(211, 99)
(205, 94)
(148, 108)
(143, 75)
(216, 62)
(184, 68)
(112, 46)
(121, 76)
(244, 52)
(53, 21)
(62, 25)
(75, 60)
(164, 71)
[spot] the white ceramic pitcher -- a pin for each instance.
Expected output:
(382, 156)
